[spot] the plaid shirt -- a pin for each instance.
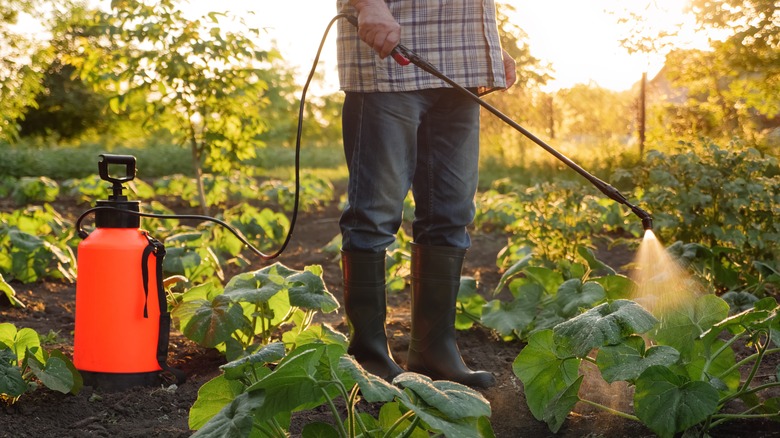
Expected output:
(459, 37)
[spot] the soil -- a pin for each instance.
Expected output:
(163, 411)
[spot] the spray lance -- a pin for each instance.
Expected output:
(403, 56)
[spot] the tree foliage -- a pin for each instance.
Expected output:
(20, 67)
(199, 80)
(752, 27)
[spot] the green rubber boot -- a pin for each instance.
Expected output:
(365, 302)
(433, 350)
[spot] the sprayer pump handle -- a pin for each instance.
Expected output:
(127, 160)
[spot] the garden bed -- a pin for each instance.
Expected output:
(163, 411)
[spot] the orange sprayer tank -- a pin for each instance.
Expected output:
(115, 343)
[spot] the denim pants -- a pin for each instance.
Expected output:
(426, 140)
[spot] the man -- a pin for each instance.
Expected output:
(404, 128)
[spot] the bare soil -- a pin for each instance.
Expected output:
(163, 411)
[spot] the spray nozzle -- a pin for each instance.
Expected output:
(128, 161)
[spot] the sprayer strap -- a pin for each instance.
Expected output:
(158, 249)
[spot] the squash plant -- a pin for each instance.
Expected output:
(252, 399)
(683, 367)
(24, 363)
(542, 297)
(251, 309)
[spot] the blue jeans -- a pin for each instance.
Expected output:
(425, 140)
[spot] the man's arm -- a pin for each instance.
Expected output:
(376, 26)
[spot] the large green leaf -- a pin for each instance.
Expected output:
(549, 279)
(606, 324)
(454, 400)
(373, 388)
(509, 317)
(617, 287)
(236, 419)
(574, 294)
(254, 287)
(295, 382)
(668, 403)
(308, 291)
(719, 371)
(11, 381)
(20, 341)
(54, 374)
(593, 262)
(561, 405)
(211, 323)
(629, 359)
(213, 396)
(680, 327)
(545, 373)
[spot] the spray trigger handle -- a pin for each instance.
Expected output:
(128, 161)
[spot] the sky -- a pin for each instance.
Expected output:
(579, 38)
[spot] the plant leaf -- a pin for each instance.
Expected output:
(629, 359)
(269, 353)
(508, 317)
(454, 400)
(606, 324)
(211, 323)
(545, 373)
(11, 381)
(513, 271)
(236, 419)
(319, 430)
(561, 405)
(574, 294)
(617, 287)
(668, 403)
(684, 324)
(254, 287)
(389, 413)
(10, 293)
(373, 388)
(213, 396)
(54, 374)
(308, 291)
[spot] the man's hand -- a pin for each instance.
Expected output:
(510, 69)
(377, 27)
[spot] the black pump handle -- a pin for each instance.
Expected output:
(127, 160)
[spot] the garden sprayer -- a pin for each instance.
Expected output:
(122, 319)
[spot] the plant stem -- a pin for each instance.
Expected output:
(611, 410)
(722, 418)
(397, 423)
(335, 412)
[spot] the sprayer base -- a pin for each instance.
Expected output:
(120, 381)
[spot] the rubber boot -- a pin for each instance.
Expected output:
(365, 302)
(433, 350)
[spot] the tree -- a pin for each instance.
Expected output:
(751, 47)
(751, 27)
(20, 69)
(200, 81)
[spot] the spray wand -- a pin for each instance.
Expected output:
(403, 56)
